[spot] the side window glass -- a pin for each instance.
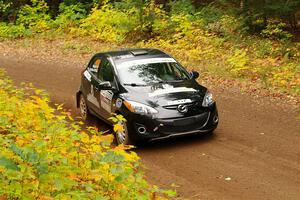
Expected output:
(95, 66)
(105, 72)
(176, 71)
(169, 68)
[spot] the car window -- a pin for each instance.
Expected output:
(95, 66)
(105, 72)
(174, 70)
(148, 71)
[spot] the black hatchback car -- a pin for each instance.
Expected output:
(155, 94)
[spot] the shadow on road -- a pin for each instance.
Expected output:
(177, 142)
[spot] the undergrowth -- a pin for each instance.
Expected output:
(45, 155)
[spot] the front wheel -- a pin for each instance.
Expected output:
(123, 137)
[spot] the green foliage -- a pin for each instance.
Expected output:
(209, 14)
(70, 16)
(150, 18)
(108, 24)
(182, 7)
(256, 14)
(262, 47)
(226, 26)
(250, 57)
(276, 31)
(12, 31)
(35, 17)
(4, 6)
(239, 62)
(47, 156)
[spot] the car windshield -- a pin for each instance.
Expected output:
(149, 71)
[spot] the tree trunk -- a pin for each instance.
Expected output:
(293, 22)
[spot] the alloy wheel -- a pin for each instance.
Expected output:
(121, 136)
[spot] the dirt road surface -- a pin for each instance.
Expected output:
(254, 153)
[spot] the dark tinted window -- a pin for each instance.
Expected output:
(143, 72)
(105, 72)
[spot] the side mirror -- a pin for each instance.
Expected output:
(106, 85)
(194, 74)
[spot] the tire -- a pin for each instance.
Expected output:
(83, 108)
(124, 136)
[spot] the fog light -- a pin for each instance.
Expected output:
(141, 129)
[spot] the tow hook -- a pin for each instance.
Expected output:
(156, 128)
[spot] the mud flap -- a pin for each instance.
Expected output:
(77, 98)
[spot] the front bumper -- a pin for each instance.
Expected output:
(147, 128)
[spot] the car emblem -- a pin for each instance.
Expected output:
(182, 108)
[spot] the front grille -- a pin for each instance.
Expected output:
(189, 105)
(179, 125)
(194, 108)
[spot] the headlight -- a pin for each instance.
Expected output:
(208, 99)
(139, 108)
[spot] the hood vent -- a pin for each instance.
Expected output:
(139, 52)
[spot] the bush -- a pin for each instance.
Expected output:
(263, 47)
(209, 14)
(109, 24)
(35, 17)
(182, 7)
(276, 31)
(44, 155)
(69, 17)
(4, 6)
(12, 31)
(239, 62)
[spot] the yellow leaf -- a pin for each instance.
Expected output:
(85, 138)
(118, 128)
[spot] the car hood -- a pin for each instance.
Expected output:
(161, 96)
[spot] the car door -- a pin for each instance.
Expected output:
(90, 83)
(105, 73)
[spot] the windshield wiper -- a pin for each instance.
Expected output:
(135, 84)
(171, 81)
